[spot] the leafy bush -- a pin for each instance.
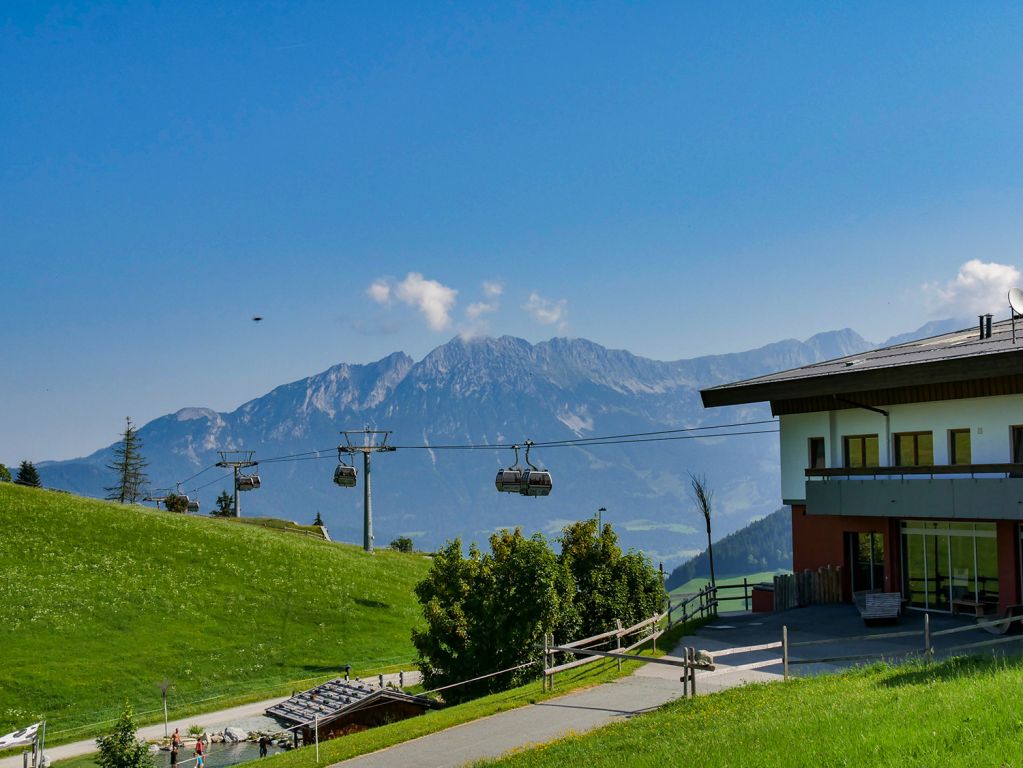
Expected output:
(402, 544)
(122, 748)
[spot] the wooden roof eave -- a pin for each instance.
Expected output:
(851, 382)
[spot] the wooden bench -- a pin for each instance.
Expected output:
(879, 606)
(978, 608)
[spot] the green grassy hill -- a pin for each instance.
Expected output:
(99, 602)
(961, 713)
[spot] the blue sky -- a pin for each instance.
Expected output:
(674, 179)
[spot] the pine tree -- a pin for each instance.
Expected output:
(225, 505)
(318, 520)
(27, 475)
(128, 465)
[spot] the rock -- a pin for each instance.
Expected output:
(216, 738)
(233, 734)
(153, 749)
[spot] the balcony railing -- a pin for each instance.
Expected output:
(966, 470)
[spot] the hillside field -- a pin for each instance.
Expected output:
(958, 714)
(100, 602)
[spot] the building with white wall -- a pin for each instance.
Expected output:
(904, 466)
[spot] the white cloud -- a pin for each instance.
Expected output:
(545, 311)
(475, 311)
(980, 287)
(380, 292)
(433, 300)
(478, 308)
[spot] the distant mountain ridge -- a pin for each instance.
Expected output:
(489, 391)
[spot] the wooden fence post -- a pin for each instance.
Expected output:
(551, 675)
(745, 595)
(785, 652)
(653, 634)
(545, 662)
(618, 641)
(928, 651)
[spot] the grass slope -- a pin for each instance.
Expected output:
(961, 713)
(99, 602)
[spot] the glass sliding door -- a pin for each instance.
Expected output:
(943, 562)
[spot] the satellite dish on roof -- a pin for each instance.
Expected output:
(1016, 305)
(1016, 300)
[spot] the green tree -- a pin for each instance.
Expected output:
(225, 505)
(28, 475)
(488, 612)
(318, 520)
(122, 748)
(402, 544)
(176, 503)
(5, 474)
(127, 466)
(609, 585)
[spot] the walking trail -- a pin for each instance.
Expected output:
(646, 689)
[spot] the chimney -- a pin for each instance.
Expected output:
(987, 325)
(980, 322)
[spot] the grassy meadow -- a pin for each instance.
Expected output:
(958, 714)
(100, 602)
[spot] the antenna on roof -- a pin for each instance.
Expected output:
(1015, 308)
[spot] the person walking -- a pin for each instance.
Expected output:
(174, 750)
(200, 754)
(264, 742)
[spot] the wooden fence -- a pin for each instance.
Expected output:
(792, 590)
(925, 650)
(589, 649)
(706, 602)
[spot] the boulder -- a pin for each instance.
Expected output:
(233, 734)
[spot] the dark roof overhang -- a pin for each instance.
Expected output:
(806, 382)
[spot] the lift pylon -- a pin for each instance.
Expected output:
(238, 460)
(373, 441)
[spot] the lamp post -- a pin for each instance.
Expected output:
(599, 512)
(164, 684)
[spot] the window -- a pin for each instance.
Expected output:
(817, 460)
(861, 451)
(914, 449)
(959, 446)
(1017, 445)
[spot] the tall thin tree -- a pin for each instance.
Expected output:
(703, 496)
(128, 465)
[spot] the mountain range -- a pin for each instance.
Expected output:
(492, 392)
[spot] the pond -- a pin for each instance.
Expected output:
(217, 755)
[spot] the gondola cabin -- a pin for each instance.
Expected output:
(537, 482)
(248, 482)
(509, 480)
(344, 476)
(193, 505)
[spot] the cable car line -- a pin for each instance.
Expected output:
(660, 432)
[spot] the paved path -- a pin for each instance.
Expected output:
(654, 684)
(210, 720)
(646, 689)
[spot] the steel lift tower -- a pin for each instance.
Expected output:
(373, 441)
